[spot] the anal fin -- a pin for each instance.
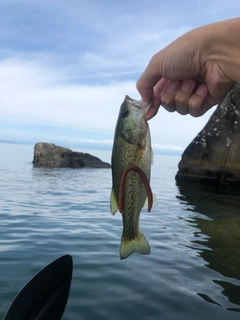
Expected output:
(113, 202)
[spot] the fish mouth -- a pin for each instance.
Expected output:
(135, 103)
(145, 106)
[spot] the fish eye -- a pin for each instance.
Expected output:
(125, 113)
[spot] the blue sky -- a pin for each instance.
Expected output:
(65, 66)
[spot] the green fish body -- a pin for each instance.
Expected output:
(131, 147)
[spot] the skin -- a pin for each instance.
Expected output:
(195, 72)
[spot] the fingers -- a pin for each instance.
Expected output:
(168, 95)
(196, 104)
(185, 97)
(156, 101)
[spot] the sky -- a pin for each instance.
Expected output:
(66, 66)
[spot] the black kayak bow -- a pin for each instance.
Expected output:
(45, 295)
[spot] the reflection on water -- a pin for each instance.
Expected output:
(191, 274)
(221, 225)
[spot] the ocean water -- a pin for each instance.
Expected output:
(193, 271)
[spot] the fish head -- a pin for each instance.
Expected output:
(131, 122)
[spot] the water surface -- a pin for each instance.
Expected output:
(194, 233)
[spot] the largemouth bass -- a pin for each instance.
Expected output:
(131, 166)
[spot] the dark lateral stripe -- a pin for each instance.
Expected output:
(123, 182)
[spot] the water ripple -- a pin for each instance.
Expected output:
(192, 272)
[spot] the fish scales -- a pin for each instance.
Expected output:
(131, 194)
(132, 147)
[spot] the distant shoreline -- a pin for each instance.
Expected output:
(84, 146)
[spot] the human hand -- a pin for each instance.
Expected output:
(192, 74)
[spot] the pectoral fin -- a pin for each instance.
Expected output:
(146, 205)
(113, 202)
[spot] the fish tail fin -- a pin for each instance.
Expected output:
(139, 245)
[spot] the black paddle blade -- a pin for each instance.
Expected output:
(45, 295)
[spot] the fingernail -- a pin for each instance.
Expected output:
(201, 90)
(187, 84)
(172, 86)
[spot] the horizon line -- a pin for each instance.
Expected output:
(91, 146)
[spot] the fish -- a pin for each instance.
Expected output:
(131, 161)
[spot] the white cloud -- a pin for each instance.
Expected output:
(156, 146)
(125, 56)
(32, 94)
(90, 142)
(94, 51)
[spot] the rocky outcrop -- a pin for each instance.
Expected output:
(215, 152)
(51, 156)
